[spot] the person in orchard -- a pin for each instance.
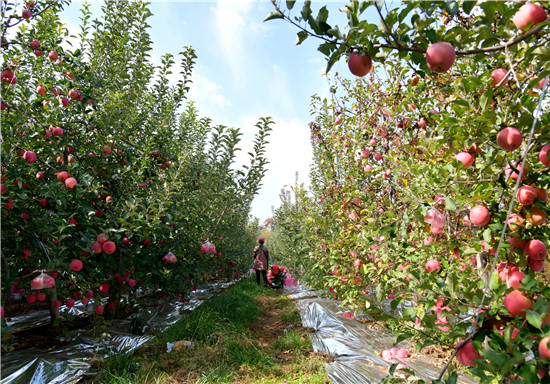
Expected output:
(261, 260)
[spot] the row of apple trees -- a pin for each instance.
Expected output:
(417, 212)
(112, 184)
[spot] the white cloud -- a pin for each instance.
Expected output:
(288, 152)
(72, 38)
(206, 92)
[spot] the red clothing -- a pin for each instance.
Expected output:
(261, 257)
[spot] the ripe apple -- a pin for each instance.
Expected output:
(509, 139)
(69, 303)
(465, 158)
(76, 265)
(41, 90)
(57, 131)
(536, 216)
(433, 265)
(41, 296)
(29, 156)
(543, 155)
(440, 56)
(132, 283)
(109, 247)
(359, 65)
(543, 348)
(102, 238)
(62, 176)
(53, 56)
(35, 44)
(97, 247)
(26, 13)
(31, 298)
(536, 265)
(536, 250)
(38, 52)
(515, 222)
(43, 203)
(514, 280)
(146, 241)
(513, 175)
(528, 15)
(57, 304)
(479, 215)
(497, 75)
(526, 195)
(74, 94)
(104, 287)
(516, 303)
(64, 101)
(99, 309)
(70, 183)
(467, 353)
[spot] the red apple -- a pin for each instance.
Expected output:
(146, 241)
(109, 247)
(479, 215)
(38, 52)
(528, 15)
(536, 265)
(526, 195)
(29, 156)
(536, 250)
(31, 298)
(513, 174)
(509, 139)
(516, 303)
(35, 44)
(26, 13)
(57, 131)
(544, 350)
(70, 183)
(41, 90)
(102, 238)
(74, 94)
(536, 216)
(62, 176)
(433, 265)
(359, 65)
(99, 309)
(64, 101)
(497, 75)
(465, 158)
(514, 280)
(467, 353)
(543, 155)
(53, 56)
(69, 303)
(515, 222)
(41, 296)
(132, 283)
(440, 56)
(104, 287)
(97, 247)
(43, 203)
(57, 304)
(76, 265)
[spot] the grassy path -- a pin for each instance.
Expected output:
(248, 334)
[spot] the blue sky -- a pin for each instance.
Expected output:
(246, 69)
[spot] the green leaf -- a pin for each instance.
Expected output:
(468, 5)
(290, 4)
(486, 98)
(306, 10)
(450, 204)
(451, 282)
(494, 282)
(451, 7)
(534, 318)
(274, 15)
(487, 235)
(301, 36)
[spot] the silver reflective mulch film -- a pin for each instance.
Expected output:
(356, 348)
(68, 364)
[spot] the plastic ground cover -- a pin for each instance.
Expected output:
(356, 349)
(68, 364)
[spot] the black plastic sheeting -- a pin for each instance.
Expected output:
(68, 364)
(357, 349)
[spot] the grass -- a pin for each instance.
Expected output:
(248, 334)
